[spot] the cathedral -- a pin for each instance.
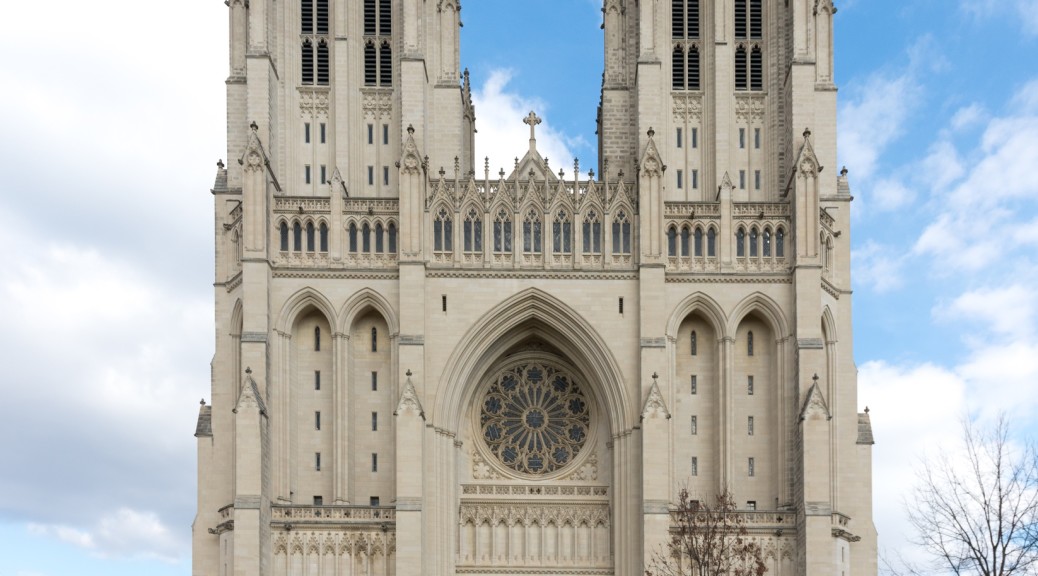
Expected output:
(423, 367)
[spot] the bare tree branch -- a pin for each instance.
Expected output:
(978, 513)
(708, 541)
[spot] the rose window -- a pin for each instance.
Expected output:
(535, 419)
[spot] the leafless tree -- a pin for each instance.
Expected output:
(708, 541)
(978, 513)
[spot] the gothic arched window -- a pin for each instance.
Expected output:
(323, 235)
(740, 243)
(284, 237)
(749, 343)
(365, 238)
(317, 339)
(695, 343)
(698, 242)
(532, 232)
(443, 232)
(740, 68)
(503, 233)
(753, 242)
(685, 28)
(711, 243)
(780, 237)
(374, 339)
(391, 232)
(353, 237)
(297, 237)
(473, 232)
(621, 233)
(562, 234)
(685, 233)
(379, 241)
(307, 61)
(309, 236)
(672, 241)
(378, 53)
(592, 233)
(767, 243)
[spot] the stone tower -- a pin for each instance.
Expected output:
(422, 369)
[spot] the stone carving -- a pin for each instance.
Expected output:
(654, 406)
(587, 472)
(815, 406)
(377, 104)
(481, 470)
(749, 108)
(409, 401)
(313, 102)
(687, 107)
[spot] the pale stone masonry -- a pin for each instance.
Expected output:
(428, 366)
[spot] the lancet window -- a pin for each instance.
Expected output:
(502, 233)
(443, 229)
(621, 233)
(562, 233)
(592, 233)
(473, 241)
(685, 234)
(532, 232)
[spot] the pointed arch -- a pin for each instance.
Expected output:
(359, 303)
(705, 306)
(527, 313)
(766, 308)
(297, 303)
(829, 325)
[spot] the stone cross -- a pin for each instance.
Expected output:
(532, 121)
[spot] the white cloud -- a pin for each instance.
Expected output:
(913, 409)
(1023, 11)
(968, 116)
(870, 123)
(877, 266)
(1005, 311)
(125, 533)
(502, 136)
(890, 194)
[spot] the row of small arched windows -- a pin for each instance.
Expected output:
(532, 236)
(367, 238)
(316, 237)
(678, 243)
(760, 243)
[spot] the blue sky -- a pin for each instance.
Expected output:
(110, 134)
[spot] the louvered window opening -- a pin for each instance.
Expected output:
(378, 51)
(314, 45)
(685, 31)
(749, 55)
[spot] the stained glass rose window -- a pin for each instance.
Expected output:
(534, 418)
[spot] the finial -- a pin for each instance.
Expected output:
(866, 409)
(248, 370)
(655, 376)
(220, 164)
(807, 133)
(844, 171)
(442, 171)
(409, 370)
(651, 132)
(590, 174)
(576, 167)
(254, 126)
(202, 402)
(815, 378)
(501, 173)
(562, 173)
(410, 128)
(620, 175)
(546, 163)
(486, 164)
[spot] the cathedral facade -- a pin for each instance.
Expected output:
(426, 367)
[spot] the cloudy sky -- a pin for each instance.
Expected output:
(111, 122)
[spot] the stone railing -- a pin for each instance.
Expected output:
(334, 514)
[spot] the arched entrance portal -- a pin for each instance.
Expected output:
(536, 475)
(535, 421)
